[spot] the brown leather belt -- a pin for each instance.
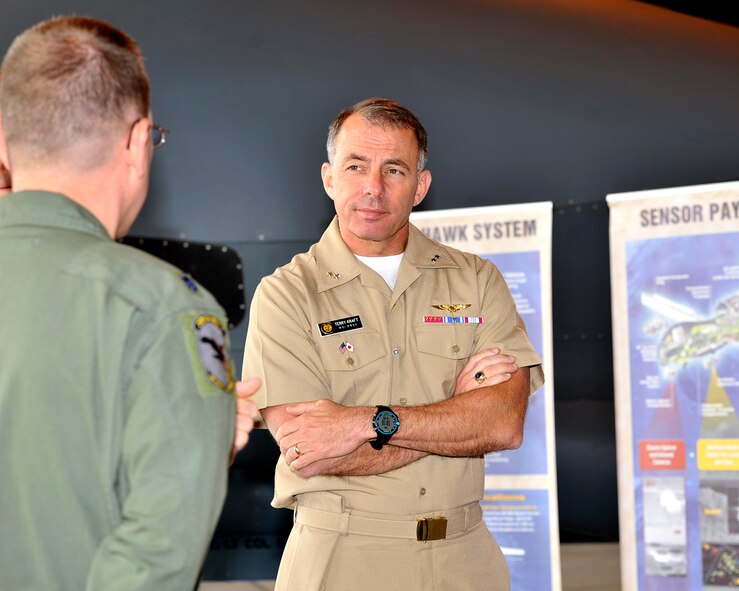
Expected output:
(436, 526)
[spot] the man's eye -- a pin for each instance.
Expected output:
(353, 167)
(394, 171)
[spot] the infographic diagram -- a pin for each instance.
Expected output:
(683, 307)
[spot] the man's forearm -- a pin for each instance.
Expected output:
(469, 424)
(364, 461)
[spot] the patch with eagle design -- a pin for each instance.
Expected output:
(208, 347)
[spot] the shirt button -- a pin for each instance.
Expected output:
(396, 351)
(350, 361)
(403, 402)
(423, 491)
(455, 348)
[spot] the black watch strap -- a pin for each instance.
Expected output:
(379, 441)
(385, 423)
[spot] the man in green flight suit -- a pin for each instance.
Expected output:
(116, 389)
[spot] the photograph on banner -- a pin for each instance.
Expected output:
(517, 240)
(677, 366)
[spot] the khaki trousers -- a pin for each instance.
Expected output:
(317, 559)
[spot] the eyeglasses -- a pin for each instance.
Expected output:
(158, 134)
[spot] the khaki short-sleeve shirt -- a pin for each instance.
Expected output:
(327, 326)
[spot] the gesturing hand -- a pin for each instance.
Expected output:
(246, 410)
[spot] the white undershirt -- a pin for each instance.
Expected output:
(385, 267)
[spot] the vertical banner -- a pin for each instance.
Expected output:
(675, 304)
(520, 504)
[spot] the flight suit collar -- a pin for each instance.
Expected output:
(337, 265)
(42, 208)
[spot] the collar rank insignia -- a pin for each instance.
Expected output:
(334, 275)
(451, 308)
(435, 258)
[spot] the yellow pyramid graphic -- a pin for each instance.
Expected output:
(718, 447)
(719, 415)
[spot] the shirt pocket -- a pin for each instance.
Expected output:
(443, 351)
(353, 363)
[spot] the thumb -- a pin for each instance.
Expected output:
(247, 387)
(299, 408)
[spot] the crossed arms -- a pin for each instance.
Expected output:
(479, 418)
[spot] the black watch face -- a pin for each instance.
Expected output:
(386, 422)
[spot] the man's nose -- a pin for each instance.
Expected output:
(373, 185)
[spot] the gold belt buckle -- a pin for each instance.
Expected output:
(431, 528)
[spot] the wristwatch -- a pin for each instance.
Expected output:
(385, 423)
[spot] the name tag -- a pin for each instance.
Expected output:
(341, 325)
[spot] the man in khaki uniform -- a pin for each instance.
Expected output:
(116, 389)
(383, 379)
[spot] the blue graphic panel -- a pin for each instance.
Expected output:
(683, 301)
(519, 520)
(521, 271)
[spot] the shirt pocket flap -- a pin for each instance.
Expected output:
(453, 341)
(351, 351)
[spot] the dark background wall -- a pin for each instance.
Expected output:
(524, 100)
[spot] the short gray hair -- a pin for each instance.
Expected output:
(381, 111)
(69, 83)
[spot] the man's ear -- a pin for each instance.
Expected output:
(424, 182)
(3, 146)
(327, 175)
(140, 148)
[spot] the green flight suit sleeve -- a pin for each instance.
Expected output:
(176, 439)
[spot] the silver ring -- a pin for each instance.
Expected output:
(480, 377)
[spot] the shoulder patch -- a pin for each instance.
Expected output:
(208, 347)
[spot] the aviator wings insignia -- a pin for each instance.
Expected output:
(451, 308)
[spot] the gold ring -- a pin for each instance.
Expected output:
(480, 377)
(298, 453)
